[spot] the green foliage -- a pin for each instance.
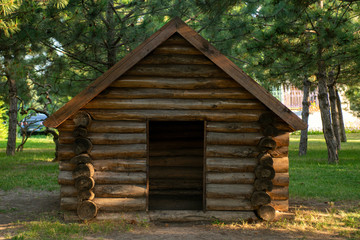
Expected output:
(3, 121)
(353, 94)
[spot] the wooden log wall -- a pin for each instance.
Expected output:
(173, 83)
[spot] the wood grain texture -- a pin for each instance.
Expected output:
(281, 165)
(173, 104)
(230, 178)
(229, 190)
(228, 204)
(112, 191)
(279, 193)
(106, 138)
(233, 127)
(176, 59)
(248, 139)
(227, 151)
(230, 164)
(107, 127)
(112, 165)
(108, 204)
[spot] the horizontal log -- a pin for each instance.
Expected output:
(265, 159)
(173, 104)
(65, 178)
(229, 190)
(175, 172)
(266, 143)
(263, 185)
(282, 139)
(180, 161)
(65, 151)
(228, 204)
(108, 204)
(270, 130)
(175, 59)
(176, 49)
(279, 152)
(281, 179)
(174, 70)
(231, 164)
(107, 127)
(106, 138)
(231, 151)
(177, 115)
(280, 205)
(279, 193)
(234, 127)
(249, 139)
(79, 159)
(174, 82)
(150, 93)
(161, 184)
(111, 191)
(83, 169)
(113, 165)
(230, 178)
(78, 132)
(281, 165)
(259, 198)
(82, 145)
(282, 126)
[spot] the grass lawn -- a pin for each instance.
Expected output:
(310, 178)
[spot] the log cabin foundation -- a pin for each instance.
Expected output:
(174, 132)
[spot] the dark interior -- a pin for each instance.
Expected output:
(176, 150)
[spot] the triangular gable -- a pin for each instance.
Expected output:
(175, 25)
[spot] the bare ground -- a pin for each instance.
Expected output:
(24, 205)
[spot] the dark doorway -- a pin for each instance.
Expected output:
(176, 153)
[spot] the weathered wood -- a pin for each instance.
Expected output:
(172, 216)
(174, 83)
(249, 139)
(263, 185)
(230, 178)
(83, 170)
(267, 119)
(266, 213)
(228, 204)
(259, 198)
(107, 138)
(108, 204)
(176, 59)
(281, 179)
(176, 49)
(265, 159)
(78, 132)
(279, 193)
(270, 130)
(65, 178)
(266, 144)
(177, 104)
(83, 195)
(177, 115)
(264, 172)
(280, 205)
(82, 158)
(107, 127)
(82, 119)
(281, 165)
(84, 183)
(158, 184)
(230, 164)
(87, 210)
(279, 152)
(175, 172)
(82, 145)
(177, 161)
(231, 151)
(103, 191)
(121, 165)
(282, 139)
(233, 127)
(229, 190)
(150, 93)
(65, 151)
(176, 39)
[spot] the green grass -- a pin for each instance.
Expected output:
(312, 177)
(30, 169)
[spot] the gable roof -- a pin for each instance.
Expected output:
(176, 25)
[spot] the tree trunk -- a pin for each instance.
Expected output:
(305, 117)
(341, 118)
(11, 143)
(334, 110)
(110, 35)
(325, 113)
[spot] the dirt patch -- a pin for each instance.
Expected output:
(26, 205)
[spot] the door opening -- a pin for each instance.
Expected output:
(176, 153)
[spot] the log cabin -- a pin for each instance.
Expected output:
(174, 131)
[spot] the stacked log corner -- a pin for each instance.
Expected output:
(269, 146)
(83, 172)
